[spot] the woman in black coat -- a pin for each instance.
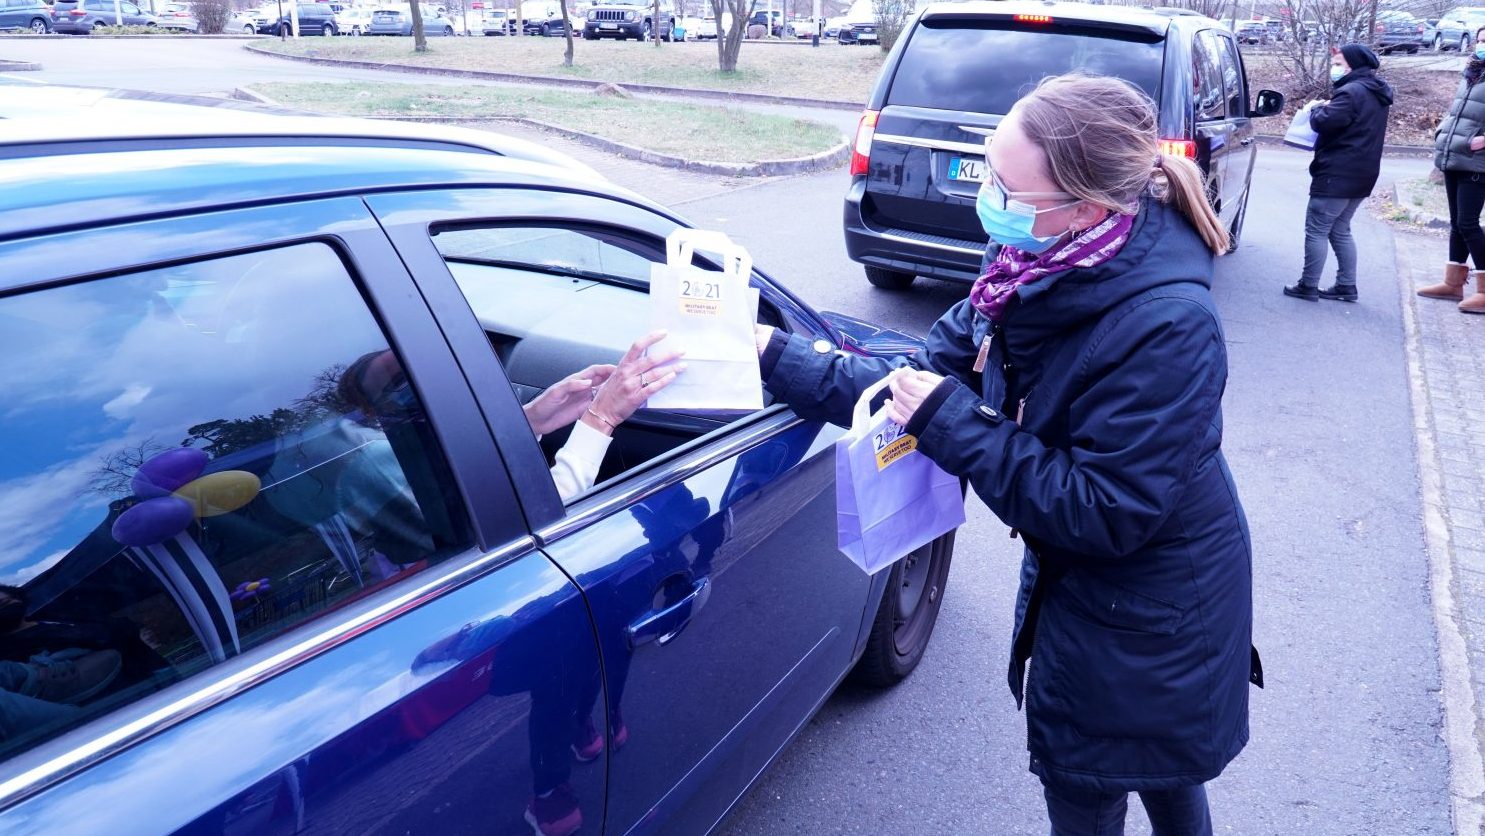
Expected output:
(1352, 128)
(1079, 391)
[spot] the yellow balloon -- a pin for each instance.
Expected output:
(220, 493)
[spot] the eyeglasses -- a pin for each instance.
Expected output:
(1002, 198)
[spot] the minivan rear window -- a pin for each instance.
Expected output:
(986, 66)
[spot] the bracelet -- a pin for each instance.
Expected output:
(606, 422)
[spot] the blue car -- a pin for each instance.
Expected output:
(283, 554)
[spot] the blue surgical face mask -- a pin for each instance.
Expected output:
(1338, 73)
(1480, 51)
(1009, 222)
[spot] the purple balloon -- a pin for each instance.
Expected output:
(153, 521)
(163, 474)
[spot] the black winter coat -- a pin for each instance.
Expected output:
(1352, 128)
(1136, 585)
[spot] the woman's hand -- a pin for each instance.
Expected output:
(1477, 143)
(909, 389)
(761, 335)
(631, 384)
(565, 401)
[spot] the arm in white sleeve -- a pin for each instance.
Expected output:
(578, 460)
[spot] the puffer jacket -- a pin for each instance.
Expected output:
(1464, 121)
(1095, 430)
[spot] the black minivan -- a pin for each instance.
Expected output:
(919, 153)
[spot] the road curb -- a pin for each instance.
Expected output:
(555, 81)
(824, 161)
(1456, 693)
(1417, 216)
(7, 66)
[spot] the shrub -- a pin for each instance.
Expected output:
(213, 15)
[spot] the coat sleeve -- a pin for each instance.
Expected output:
(1154, 391)
(824, 386)
(1336, 115)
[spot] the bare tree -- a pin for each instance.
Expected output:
(420, 38)
(115, 473)
(655, 23)
(567, 33)
(892, 17)
(729, 40)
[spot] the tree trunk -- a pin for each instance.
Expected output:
(655, 23)
(567, 31)
(420, 38)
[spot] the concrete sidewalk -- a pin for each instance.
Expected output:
(1446, 359)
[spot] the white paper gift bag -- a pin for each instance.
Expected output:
(1300, 134)
(709, 314)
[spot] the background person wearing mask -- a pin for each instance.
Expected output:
(1348, 159)
(1457, 147)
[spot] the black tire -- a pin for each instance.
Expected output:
(328, 30)
(888, 279)
(906, 615)
(39, 26)
(1413, 50)
(448, 31)
(250, 29)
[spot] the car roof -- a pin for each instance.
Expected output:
(112, 165)
(1156, 21)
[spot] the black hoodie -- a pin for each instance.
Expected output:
(1352, 127)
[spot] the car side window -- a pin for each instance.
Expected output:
(1206, 81)
(1232, 77)
(199, 458)
(555, 298)
(131, 9)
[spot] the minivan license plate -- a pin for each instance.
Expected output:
(967, 170)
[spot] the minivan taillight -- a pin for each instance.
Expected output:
(1178, 148)
(861, 151)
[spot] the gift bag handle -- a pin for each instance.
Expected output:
(683, 243)
(863, 403)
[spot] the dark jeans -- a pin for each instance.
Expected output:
(1079, 812)
(1466, 193)
(1328, 224)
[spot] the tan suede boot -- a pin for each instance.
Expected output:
(1452, 287)
(1475, 304)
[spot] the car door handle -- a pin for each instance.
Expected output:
(664, 625)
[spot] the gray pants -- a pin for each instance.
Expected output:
(1328, 223)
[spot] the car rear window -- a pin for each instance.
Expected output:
(986, 66)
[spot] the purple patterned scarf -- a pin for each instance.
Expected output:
(1013, 268)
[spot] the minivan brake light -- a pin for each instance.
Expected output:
(1033, 18)
(861, 150)
(1178, 148)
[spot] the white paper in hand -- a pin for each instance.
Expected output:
(709, 314)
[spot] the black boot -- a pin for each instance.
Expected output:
(1339, 292)
(1300, 290)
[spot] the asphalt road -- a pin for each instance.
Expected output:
(1318, 433)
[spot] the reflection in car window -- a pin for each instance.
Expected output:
(590, 252)
(199, 458)
(1207, 80)
(1232, 79)
(988, 66)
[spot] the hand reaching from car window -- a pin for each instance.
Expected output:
(636, 378)
(565, 401)
(761, 335)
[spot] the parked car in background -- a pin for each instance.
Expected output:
(78, 17)
(918, 158)
(803, 28)
(691, 26)
(353, 20)
(1397, 31)
(1459, 25)
(178, 16)
(858, 25)
(622, 19)
(495, 22)
(1252, 32)
(375, 613)
(398, 21)
(32, 16)
(1275, 29)
(760, 17)
(706, 30)
(314, 19)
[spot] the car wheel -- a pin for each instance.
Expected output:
(888, 279)
(448, 30)
(646, 34)
(1412, 50)
(249, 30)
(906, 615)
(327, 30)
(39, 27)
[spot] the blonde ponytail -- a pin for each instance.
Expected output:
(1183, 187)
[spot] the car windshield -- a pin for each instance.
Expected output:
(950, 65)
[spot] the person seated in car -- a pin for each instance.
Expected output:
(594, 401)
(24, 637)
